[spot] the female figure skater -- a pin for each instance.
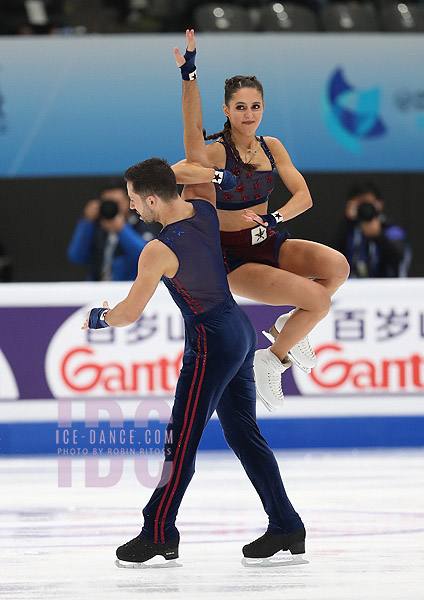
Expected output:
(264, 265)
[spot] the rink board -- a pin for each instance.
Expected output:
(366, 390)
(297, 433)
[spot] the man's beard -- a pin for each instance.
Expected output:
(149, 219)
(148, 215)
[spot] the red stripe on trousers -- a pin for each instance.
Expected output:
(202, 373)
(157, 518)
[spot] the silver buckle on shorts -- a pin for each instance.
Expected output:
(258, 234)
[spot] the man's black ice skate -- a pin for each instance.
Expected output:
(140, 550)
(269, 544)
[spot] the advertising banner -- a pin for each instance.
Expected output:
(338, 102)
(371, 342)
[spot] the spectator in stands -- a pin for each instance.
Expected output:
(18, 17)
(109, 237)
(373, 245)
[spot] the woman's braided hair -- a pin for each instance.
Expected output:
(231, 87)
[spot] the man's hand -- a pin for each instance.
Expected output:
(91, 210)
(85, 326)
(191, 45)
(351, 209)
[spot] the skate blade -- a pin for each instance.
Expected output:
(153, 563)
(269, 407)
(269, 336)
(299, 365)
(278, 560)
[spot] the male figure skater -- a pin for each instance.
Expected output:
(217, 371)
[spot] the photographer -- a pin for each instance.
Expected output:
(109, 238)
(373, 245)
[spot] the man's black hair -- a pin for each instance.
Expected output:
(153, 177)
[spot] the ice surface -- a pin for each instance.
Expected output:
(363, 512)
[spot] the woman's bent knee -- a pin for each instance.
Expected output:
(317, 301)
(341, 267)
(322, 302)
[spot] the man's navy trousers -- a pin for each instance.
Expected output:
(217, 374)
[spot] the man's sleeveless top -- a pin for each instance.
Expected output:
(254, 187)
(201, 281)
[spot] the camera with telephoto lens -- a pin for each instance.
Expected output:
(366, 212)
(108, 209)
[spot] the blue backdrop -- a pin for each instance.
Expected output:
(95, 105)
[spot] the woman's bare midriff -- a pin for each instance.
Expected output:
(233, 220)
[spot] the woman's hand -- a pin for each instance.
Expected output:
(191, 45)
(249, 215)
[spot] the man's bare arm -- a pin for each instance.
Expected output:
(190, 173)
(155, 260)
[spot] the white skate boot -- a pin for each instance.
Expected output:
(302, 354)
(268, 369)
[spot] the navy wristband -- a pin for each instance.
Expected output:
(188, 69)
(272, 219)
(225, 179)
(96, 319)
